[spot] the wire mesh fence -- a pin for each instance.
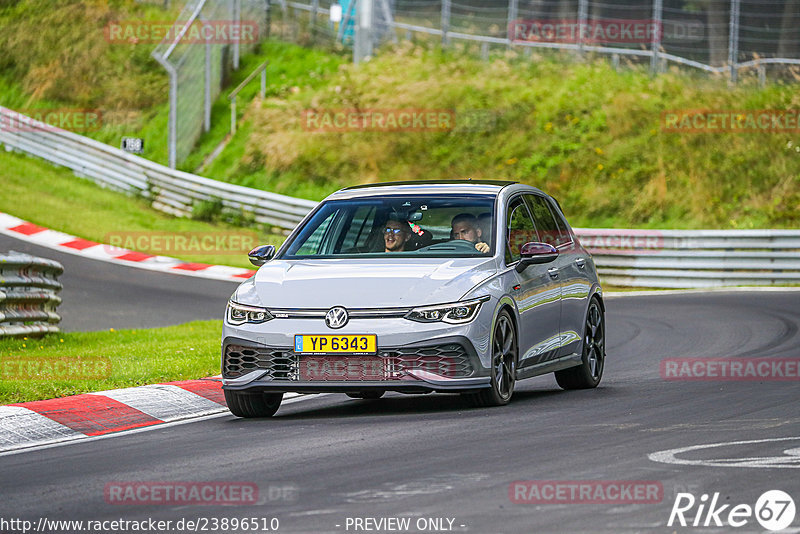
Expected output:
(717, 36)
(198, 53)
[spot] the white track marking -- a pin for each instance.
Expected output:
(791, 460)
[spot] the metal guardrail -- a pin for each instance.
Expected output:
(28, 300)
(638, 258)
(169, 190)
(694, 258)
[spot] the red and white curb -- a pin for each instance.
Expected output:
(31, 424)
(34, 424)
(39, 235)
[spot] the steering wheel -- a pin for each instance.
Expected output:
(456, 245)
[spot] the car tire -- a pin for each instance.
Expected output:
(589, 373)
(253, 404)
(505, 355)
(367, 395)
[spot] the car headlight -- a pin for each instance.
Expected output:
(240, 314)
(454, 313)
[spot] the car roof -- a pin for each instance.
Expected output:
(424, 187)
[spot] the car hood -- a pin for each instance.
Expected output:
(367, 283)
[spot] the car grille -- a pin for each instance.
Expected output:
(450, 360)
(279, 364)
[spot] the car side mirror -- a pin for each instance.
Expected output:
(535, 254)
(261, 254)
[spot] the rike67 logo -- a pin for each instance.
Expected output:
(774, 510)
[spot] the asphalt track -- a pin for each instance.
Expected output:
(431, 457)
(98, 295)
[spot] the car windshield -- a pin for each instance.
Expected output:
(430, 226)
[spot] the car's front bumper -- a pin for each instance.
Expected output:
(417, 357)
(444, 364)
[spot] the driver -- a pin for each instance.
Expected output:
(395, 235)
(465, 226)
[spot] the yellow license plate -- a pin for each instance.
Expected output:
(360, 344)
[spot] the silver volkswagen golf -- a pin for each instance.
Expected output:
(416, 287)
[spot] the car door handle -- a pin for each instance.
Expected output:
(553, 272)
(581, 263)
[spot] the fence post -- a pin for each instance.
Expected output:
(269, 18)
(313, 20)
(207, 84)
(263, 83)
(386, 24)
(762, 75)
(445, 21)
(363, 29)
(172, 127)
(233, 116)
(733, 40)
(512, 19)
(237, 18)
(284, 35)
(293, 24)
(658, 16)
(173, 120)
(583, 10)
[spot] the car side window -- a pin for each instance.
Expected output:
(549, 230)
(564, 235)
(520, 229)
(359, 229)
(313, 244)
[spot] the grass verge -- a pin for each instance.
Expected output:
(592, 137)
(66, 203)
(35, 369)
(589, 135)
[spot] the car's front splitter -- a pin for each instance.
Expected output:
(417, 381)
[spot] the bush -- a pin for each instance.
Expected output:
(208, 210)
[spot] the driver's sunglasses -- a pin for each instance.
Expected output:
(394, 231)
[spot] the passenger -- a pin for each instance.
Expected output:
(465, 226)
(395, 235)
(485, 226)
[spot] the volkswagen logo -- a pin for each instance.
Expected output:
(336, 317)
